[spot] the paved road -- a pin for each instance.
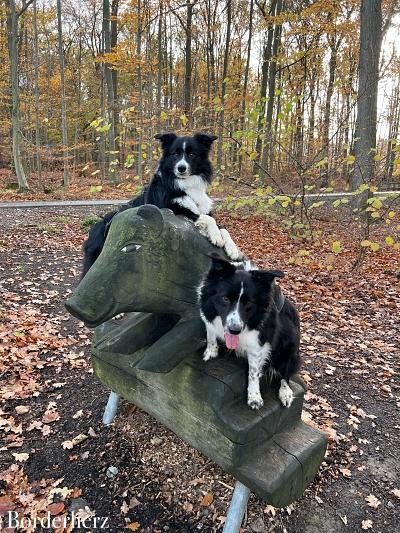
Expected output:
(311, 197)
(61, 203)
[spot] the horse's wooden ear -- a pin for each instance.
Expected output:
(152, 215)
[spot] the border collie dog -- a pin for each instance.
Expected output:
(180, 184)
(244, 308)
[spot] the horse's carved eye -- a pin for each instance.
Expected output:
(128, 248)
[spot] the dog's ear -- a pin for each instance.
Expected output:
(267, 276)
(152, 215)
(220, 267)
(204, 139)
(166, 139)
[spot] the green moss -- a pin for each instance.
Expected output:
(48, 228)
(88, 221)
(62, 219)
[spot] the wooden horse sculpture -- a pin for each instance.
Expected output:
(150, 268)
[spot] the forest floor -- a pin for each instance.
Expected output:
(85, 186)
(56, 454)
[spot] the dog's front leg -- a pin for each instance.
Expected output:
(232, 251)
(256, 363)
(209, 229)
(212, 346)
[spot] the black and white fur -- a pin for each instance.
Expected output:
(180, 184)
(243, 306)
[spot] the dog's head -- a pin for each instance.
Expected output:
(241, 297)
(186, 156)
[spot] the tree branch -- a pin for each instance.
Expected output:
(25, 7)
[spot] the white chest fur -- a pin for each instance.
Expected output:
(195, 187)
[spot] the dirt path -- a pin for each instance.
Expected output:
(156, 482)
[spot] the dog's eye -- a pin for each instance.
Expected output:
(248, 306)
(226, 300)
(128, 248)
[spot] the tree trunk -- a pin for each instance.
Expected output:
(327, 113)
(79, 91)
(246, 75)
(114, 72)
(140, 87)
(368, 77)
(12, 26)
(110, 88)
(267, 52)
(268, 145)
(224, 81)
(160, 64)
(311, 125)
(37, 123)
(394, 128)
(63, 101)
(188, 63)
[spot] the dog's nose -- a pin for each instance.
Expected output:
(234, 330)
(181, 169)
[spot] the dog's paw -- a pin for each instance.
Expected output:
(286, 395)
(207, 226)
(215, 237)
(255, 402)
(202, 224)
(233, 252)
(210, 353)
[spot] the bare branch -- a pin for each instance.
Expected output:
(25, 7)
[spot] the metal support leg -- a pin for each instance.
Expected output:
(111, 408)
(237, 508)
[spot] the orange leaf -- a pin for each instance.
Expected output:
(133, 526)
(207, 499)
(6, 505)
(56, 508)
(50, 416)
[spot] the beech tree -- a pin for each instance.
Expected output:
(277, 81)
(368, 78)
(63, 100)
(13, 41)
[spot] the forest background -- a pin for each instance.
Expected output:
(298, 104)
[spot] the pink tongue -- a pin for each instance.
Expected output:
(231, 341)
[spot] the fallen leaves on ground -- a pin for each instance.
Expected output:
(350, 357)
(133, 526)
(366, 524)
(373, 501)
